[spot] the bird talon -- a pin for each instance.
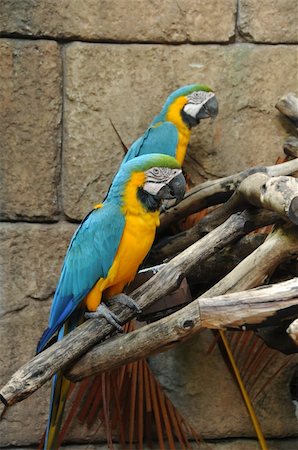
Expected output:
(129, 302)
(103, 311)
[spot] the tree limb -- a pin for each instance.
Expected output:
(172, 245)
(288, 106)
(292, 330)
(233, 310)
(220, 264)
(256, 268)
(278, 194)
(291, 147)
(217, 191)
(41, 368)
(252, 271)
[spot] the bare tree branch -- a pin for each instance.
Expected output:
(278, 194)
(292, 330)
(251, 272)
(291, 147)
(232, 310)
(288, 106)
(217, 191)
(41, 368)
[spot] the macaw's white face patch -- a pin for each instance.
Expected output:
(196, 101)
(158, 177)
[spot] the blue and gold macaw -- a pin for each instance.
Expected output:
(169, 133)
(105, 253)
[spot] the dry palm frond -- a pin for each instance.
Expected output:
(131, 406)
(244, 392)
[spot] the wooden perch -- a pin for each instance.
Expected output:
(172, 245)
(278, 194)
(233, 310)
(288, 106)
(256, 268)
(217, 191)
(220, 264)
(292, 330)
(291, 147)
(36, 372)
(251, 272)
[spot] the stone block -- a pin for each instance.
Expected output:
(122, 20)
(272, 21)
(129, 83)
(203, 389)
(31, 256)
(30, 116)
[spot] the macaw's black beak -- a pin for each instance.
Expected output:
(209, 109)
(174, 189)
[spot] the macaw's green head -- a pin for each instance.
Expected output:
(144, 182)
(191, 103)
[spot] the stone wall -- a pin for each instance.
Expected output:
(66, 68)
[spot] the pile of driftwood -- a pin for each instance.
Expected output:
(221, 244)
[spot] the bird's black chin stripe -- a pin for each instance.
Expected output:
(188, 120)
(149, 201)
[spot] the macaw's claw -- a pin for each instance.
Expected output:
(127, 301)
(103, 311)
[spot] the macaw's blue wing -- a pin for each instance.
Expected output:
(159, 138)
(89, 257)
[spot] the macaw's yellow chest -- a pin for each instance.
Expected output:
(136, 241)
(183, 141)
(174, 116)
(137, 238)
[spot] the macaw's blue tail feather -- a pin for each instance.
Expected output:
(50, 331)
(46, 336)
(60, 388)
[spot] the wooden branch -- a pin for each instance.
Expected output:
(170, 246)
(217, 191)
(251, 272)
(232, 310)
(291, 147)
(36, 372)
(278, 194)
(288, 106)
(224, 261)
(254, 270)
(292, 330)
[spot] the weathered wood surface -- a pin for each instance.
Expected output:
(251, 272)
(233, 310)
(218, 191)
(41, 368)
(288, 106)
(291, 147)
(278, 194)
(172, 245)
(292, 330)
(255, 269)
(220, 264)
